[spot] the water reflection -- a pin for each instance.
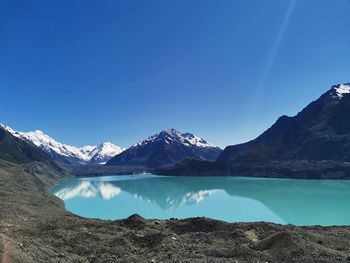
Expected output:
(300, 202)
(86, 189)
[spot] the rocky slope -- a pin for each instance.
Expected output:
(313, 144)
(321, 131)
(166, 149)
(19, 151)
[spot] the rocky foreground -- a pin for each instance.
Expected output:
(35, 227)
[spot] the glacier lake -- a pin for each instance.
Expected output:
(231, 199)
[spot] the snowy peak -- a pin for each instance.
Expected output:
(66, 153)
(105, 151)
(166, 149)
(171, 136)
(339, 91)
(87, 149)
(52, 147)
(188, 139)
(7, 128)
(19, 151)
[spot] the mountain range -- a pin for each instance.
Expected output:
(315, 143)
(165, 149)
(65, 153)
(160, 150)
(318, 137)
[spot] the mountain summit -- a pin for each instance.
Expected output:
(65, 153)
(13, 149)
(104, 152)
(166, 149)
(340, 91)
(321, 131)
(313, 144)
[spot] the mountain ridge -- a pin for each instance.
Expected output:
(166, 148)
(321, 131)
(68, 154)
(315, 143)
(15, 150)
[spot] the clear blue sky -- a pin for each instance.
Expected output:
(90, 71)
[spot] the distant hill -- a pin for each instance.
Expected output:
(19, 151)
(166, 149)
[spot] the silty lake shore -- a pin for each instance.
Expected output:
(35, 227)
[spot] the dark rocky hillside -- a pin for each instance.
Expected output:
(166, 149)
(319, 132)
(19, 151)
(313, 144)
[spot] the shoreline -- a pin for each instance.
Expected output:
(37, 228)
(289, 169)
(174, 198)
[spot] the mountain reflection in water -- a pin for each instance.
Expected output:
(300, 202)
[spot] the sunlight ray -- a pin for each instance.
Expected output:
(272, 55)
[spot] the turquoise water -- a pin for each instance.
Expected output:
(232, 199)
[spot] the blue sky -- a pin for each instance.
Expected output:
(92, 71)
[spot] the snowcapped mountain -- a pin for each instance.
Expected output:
(321, 131)
(104, 152)
(19, 151)
(166, 149)
(171, 135)
(339, 91)
(66, 153)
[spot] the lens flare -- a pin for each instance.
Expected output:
(273, 53)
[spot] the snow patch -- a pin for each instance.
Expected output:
(105, 151)
(174, 136)
(340, 90)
